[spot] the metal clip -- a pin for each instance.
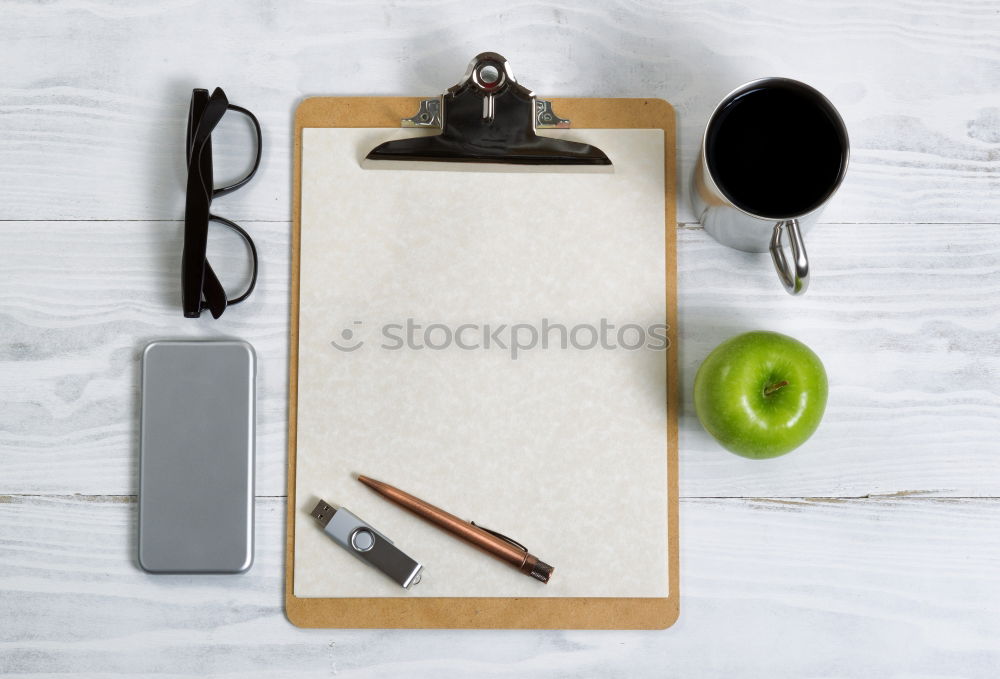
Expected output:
(501, 536)
(488, 117)
(428, 115)
(545, 117)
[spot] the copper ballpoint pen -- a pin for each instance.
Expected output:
(493, 543)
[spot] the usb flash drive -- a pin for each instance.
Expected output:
(366, 543)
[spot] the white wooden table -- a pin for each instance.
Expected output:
(874, 551)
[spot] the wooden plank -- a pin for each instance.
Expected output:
(92, 111)
(904, 316)
(92, 118)
(78, 304)
(906, 319)
(888, 587)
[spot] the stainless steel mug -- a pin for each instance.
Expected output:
(773, 154)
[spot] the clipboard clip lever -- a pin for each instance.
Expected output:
(429, 116)
(488, 117)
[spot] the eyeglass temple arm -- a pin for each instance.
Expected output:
(206, 112)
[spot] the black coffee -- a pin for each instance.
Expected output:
(776, 151)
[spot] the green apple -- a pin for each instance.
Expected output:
(761, 394)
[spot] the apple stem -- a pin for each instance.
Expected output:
(775, 387)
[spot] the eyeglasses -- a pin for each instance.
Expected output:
(200, 287)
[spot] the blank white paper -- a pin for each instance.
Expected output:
(561, 449)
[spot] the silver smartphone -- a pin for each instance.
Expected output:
(196, 457)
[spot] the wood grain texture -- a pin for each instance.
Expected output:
(92, 117)
(890, 588)
(903, 309)
(905, 318)
(78, 304)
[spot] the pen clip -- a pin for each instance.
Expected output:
(501, 536)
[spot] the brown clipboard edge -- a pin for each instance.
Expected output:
(492, 612)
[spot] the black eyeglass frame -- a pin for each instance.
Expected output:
(198, 280)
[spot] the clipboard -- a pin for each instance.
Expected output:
(515, 612)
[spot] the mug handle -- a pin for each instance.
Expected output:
(794, 276)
